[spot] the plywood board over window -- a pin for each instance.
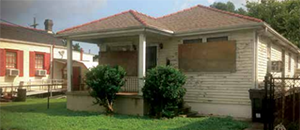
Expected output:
(208, 57)
(126, 59)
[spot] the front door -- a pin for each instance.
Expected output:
(151, 57)
(76, 79)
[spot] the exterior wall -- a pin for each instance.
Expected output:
(129, 105)
(76, 55)
(276, 55)
(207, 90)
(26, 48)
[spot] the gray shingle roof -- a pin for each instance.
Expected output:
(15, 32)
(194, 18)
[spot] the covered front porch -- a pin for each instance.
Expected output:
(135, 52)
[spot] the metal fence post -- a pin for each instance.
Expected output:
(48, 96)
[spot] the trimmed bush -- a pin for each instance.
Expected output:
(104, 82)
(164, 91)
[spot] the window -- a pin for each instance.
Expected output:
(217, 39)
(11, 60)
(290, 60)
(39, 61)
(192, 41)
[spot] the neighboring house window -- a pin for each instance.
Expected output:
(290, 60)
(11, 60)
(217, 39)
(39, 61)
(192, 41)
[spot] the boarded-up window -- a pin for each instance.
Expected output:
(126, 59)
(211, 57)
(217, 39)
(192, 41)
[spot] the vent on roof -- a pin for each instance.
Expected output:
(48, 25)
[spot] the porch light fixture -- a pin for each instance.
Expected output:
(134, 47)
(161, 46)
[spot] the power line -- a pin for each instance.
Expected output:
(8, 22)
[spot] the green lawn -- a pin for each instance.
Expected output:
(33, 115)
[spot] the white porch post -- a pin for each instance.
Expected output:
(142, 61)
(69, 65)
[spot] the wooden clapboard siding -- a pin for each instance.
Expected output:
(262, 47)
(218, 87)
(276, 55)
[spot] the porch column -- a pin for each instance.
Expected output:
(142, 61)
(69, 65)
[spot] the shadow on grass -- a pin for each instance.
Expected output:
(215, 123)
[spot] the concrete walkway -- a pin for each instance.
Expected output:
(256, 126)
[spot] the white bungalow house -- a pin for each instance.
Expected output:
(222, 54)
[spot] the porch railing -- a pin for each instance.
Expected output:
(131, 84)
(34, 86)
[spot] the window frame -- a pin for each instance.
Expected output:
(205, 37)
(43, 61)
(216, 38)
(16, 58)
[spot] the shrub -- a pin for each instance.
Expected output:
(104, 82)
(163, 91)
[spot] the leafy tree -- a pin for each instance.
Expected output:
(76, 47)
(282, 15)
(229, 6)
(164, 91)
(104, 82)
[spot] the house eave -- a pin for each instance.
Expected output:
(284, 41)
(219, 30)
(115, 32)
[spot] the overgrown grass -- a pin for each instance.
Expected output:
(34, 115)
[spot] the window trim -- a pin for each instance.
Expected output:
(14, 51)
(217, 37)
(205, 37)
(39, 53)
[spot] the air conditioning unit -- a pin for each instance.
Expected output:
(12, 72)
(40, 72)
(276, 66)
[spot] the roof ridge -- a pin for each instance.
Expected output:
(138, 18)
(231, 13)
(214, 9)
(144, 14)
(16, 25)
(67, 29)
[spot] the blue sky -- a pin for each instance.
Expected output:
(69, 13)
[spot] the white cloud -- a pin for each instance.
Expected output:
(210, 1)
(182, 4)
(60, 11)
